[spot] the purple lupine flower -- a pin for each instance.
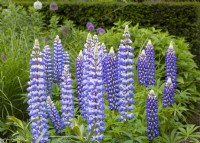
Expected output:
(37, 97)
(150, 57)
(100, 30)
(170, 62)
(125, 75)
(105, 53)
(142, 68)
(95, 114)
(168, 93)
(88, 48)
(47, 59)
(90, 26)
(53, 6)
(67, 99)
(79, 75)
(152, 115)
(58, 60)
(111, 87)
(66, 59)
(54, 115)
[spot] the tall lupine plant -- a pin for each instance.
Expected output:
(79, 75)
(171, 68)
(37, 97)
(150, 56)
(152, 115)
(125, 73)
(58, 60)
(54, 115)
(95, 112)
(111, 80)
(67, 99)
(88, 49)
(142, 68)
(168, 93)
(48, 64)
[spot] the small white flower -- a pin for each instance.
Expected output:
(37, 5)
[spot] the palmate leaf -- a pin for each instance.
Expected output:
(172, 138)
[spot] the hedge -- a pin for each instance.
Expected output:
(180, 19)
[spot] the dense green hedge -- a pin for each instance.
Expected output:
(180, 19)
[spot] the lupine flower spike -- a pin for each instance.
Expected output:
(105, 53)
(125, 71)
(79, 75)
(66, 59)
(152, 115)
(88, 49)
(142, 68)
(168, 93)
(37, 97)
(67, 99)
(47, 59)
(95, 98)
(150, 56)
(58, 60)
(111, 86)
(54, 115)
(171, 68)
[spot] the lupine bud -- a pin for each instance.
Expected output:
(170, 61)
(37, 97)
(111, 86)
(66, 59)
(150, 56)
(152, 115)
(54, 115)
(79, 75)
(47, 59)
(125, 73)
(142, 68)
(58, 60)
(37, 5)
(88, 49)
(67, 99)
(95, 114)
(168, 93)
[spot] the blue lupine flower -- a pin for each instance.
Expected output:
(170, 61)
(142, 68)
(58, 60)
(150, 56)
(67, 99)
(54, 115)
(88, 48)
(125, 73)
(111, 86)
(168, 93)
(90, 26)
(79, 75)
(37, 97)
(152, 115)
(105, 53)
(66, 59)
(47, 59)
(95, 114)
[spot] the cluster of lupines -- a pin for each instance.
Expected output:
(37, 97)
(48, 64)
(142, 68)
(95, 114)
(152, 115)
(150, 57)
(54, 115)
(67, 99)
(125, 75)
(111, 79)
